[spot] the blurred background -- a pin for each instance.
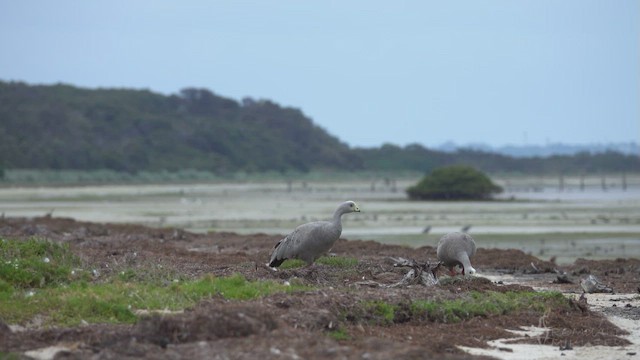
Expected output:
(256, 116)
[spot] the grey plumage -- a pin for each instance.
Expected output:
(455, 249)
(311, 240)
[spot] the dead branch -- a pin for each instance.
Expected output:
(423, 273)
(593, 285)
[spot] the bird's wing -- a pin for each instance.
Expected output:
(298, 244)
(471, 245)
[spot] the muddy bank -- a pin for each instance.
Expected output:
(298, 325)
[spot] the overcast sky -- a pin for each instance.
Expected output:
(369, 72)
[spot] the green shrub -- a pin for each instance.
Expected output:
(456, 182)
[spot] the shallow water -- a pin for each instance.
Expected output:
(603, 224)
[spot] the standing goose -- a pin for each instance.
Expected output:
(455, 249)
(309, 241)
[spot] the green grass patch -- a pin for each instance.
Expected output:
(333, 261)
(292, 264)
(116, 301)
(486, 304)
(381, 311)
(40, 277)
(482, 304)
(339, 335)
(10, 356)
(338, 261)
(36, 263)
(235, 287)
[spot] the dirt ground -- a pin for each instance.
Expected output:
(297, 325)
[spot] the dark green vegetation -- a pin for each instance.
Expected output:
(473, 304)
(456, 182)
(64, 127)
(42, 278)
(417, 157)
(36, 264)
(334, 261)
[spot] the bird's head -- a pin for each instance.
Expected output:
(350, 206)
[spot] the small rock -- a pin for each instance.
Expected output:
(592, 285)
(562, 279)
(566, 346)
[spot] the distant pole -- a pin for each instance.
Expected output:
(581, 182)
(624, 181)
(603, 183)
(561, 183)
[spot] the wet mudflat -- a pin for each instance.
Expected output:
(538, 220)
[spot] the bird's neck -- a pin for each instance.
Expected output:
(337, 218)
(337, 222)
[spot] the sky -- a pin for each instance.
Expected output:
(369, 72)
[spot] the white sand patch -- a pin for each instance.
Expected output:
(49, 352)
(503, 349)
(158, 312)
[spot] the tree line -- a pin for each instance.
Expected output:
(66, 127)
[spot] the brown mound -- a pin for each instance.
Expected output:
(301, 324)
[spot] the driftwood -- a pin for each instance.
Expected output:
(562, 279)
(592, 285)
(423, 273)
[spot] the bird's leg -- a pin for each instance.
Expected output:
(452, 271)
(310, 267)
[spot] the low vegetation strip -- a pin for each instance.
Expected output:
(333, 261)
(42, 278)
(125, 274)
(474, 304)
(36, 263)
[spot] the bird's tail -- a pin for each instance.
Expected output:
(275, 261)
